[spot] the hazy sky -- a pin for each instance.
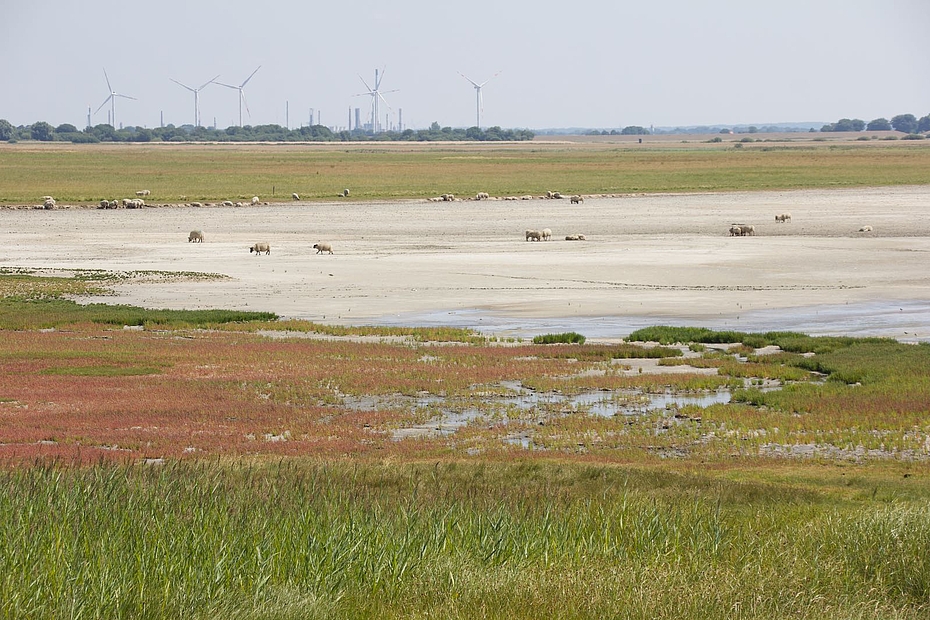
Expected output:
(576, 63)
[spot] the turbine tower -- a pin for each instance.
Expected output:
(479, 100)
(376, 94)
(112, 100)
(241, 94)
(196, 92)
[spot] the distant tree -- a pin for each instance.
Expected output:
(923, 125)
(849, 124)
(634, 130)
(6, 129)
(724, 130)
(879, 124)
(827, 127)
(904, 122)
(435, 126)
(104, 132)
(66, 128)
(42, 131)
(752, 129)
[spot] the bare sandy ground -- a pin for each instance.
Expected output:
(660, 259)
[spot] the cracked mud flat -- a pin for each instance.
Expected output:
(662, 259)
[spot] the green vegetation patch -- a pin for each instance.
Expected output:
(563, 338)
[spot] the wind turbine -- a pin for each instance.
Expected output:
(375, 94)
(196, 92)
(479, 103)
(241, 94)
(112, 100)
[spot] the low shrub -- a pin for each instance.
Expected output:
(563, 338)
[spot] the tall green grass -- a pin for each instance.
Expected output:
(300, 540)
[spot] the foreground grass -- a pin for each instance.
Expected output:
(88, 173)
(336, 540)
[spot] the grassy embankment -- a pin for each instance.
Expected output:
(88, 173)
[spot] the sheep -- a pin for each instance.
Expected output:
(49, 203)
(143, 192)
(258, 248)
(546, 234)
(527, 197)
(323, 247)
(345, 193)
(865, 229)
(511, 198)
(135, 203)
(549, 194)
(576, 199)
(227, 203)
(435, 199)
(482, 196)
(255, 200)
(196, 236)
(783, 217)
(448, 197)
(575, 238)
(582, 238)
(557, 195)
(736, 231)
(104, 204)
(47, 198)
(747, 230)
(196, 204)
(533, 235)
(295, 196)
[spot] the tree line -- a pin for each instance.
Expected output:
(906, 123)
(259, 133)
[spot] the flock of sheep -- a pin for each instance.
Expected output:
(550, 195)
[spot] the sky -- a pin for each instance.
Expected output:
(581, 63)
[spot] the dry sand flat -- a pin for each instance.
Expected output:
(648, 260)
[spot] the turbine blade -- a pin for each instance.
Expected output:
(107, 78)
(365, 83)
(381, 77)
(491, 78)
(124, 96)
(468, 78)
(246, 103)
(381, 97)
(105, 101)
(393, 90)
(249, 78)
(179, 84)
(210, 82)
(480, 100)
(227, 85)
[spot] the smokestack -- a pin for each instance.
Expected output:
(88, 116)
(400, 119)
(163, 119)
(287, 114)
(350, 118)
(358, 118)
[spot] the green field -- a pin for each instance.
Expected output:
(89, 173)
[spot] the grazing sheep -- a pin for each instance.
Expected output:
(865, 229)
(783, 217)
(736, 231)
(527, 197)
(448, 197)
(575, 238)
(196, 204)
(227, 203)
(295, 196)
(582, 238)
(482, 196)
(49, 203)
(104, 204)
(196, 236)
(549, 194)
(511, 198)
(258, 248)
(345, 193)
(143, 192)
(435, 199)
(255, 200)
(577, 199)
(546, 234)
(557, 196)
(533, 235)
(747, 230)
(323, 247)
(135, 203)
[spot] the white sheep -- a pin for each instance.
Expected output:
(448, 197)
(143, 192)
(295, 196)
(196, 204)
(557, 195)
(576, 199)
(736, 231)
(783, 217)
(255, 200)
(527, 197)
(104, 204)
(323, 247)
(582, 238)
(865, 229)
(747, 230)
(533, 235)
(258, 248)
(546, 234)
(196, 236)
(345, 193)
(227, 203)
(135, 203)
(482, 196)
